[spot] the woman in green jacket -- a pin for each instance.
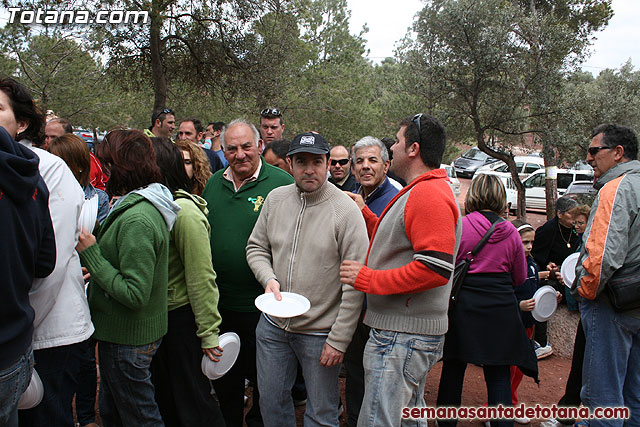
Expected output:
(183, 392)
(128, 261)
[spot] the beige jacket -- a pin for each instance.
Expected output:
(300, 239)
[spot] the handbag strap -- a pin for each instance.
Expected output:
(495, 220)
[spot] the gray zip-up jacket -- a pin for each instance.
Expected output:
(301, 239)
(612, 237)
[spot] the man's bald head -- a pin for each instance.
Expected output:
(339, 162)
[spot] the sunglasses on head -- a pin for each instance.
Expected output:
(165, 111)
(341, 161)
(594, 150)
(270, 112)
(416, 120)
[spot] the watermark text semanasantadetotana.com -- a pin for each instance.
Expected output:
(41, 16)
(520, 411)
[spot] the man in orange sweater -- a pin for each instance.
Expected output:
(407, 275)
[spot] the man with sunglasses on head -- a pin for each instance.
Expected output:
(163, 123)
(340, 169)
(271, 126)
(610, 259)
(407, 276)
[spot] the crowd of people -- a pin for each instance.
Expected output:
(183, 235)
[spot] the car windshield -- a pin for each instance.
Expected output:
(449, 170)
(475, 154)
(581, 188)
(505, 168)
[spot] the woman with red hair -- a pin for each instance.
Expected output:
(128, 262)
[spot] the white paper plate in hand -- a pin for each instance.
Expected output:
(88, 214)
(291, 305)
(568, 269)
(230, 344)
(546, 303)
(32, 396)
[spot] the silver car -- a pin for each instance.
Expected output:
(469, 162)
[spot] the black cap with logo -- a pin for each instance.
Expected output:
(309, 142)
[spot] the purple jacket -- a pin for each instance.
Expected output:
(503, 253)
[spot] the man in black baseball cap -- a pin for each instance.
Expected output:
(308, 157)
(318, 338)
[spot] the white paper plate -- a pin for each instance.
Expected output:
(32, 396)
(88, 214)
(546, 303)
(230, 343)
(568, 269)
(291, 305)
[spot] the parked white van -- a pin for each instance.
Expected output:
(534, 185)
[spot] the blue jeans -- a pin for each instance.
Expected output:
(127, 396)
(278, 353)
(14, 380)
(395, 372)
(611, 369)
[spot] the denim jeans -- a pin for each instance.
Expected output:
(278, 353)
(395, 372)
(14, 380)
(611, 369)
(58, 370)
(126, 392)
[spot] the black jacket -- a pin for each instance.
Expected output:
(349, 184)
(27, 244)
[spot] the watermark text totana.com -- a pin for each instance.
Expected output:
(42, 16)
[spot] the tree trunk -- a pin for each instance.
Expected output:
(521, 211)
(157, 67)
(550, 182)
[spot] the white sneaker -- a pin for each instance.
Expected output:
(542, 352)
(523, 420)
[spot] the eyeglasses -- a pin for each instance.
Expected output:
(341, 161)
(594, 150)
(270, 112)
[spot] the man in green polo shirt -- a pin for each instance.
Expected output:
(235, 196)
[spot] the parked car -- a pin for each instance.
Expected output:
(455, 182)
(582, 192)
(534, 185)
(509, 187)
(526, 165)
(86, 135)
(468, 163)
(581, 187)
